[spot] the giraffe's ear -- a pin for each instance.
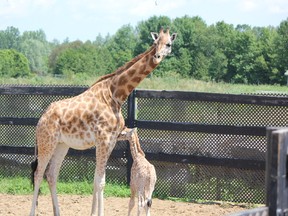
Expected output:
(154, 35)
(129, 131)
(134, 130)
(173, 36)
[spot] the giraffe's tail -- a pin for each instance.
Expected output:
(149, 203)
(34, 165)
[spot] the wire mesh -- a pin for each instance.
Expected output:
(205, 112)
(207, 182)
(202, 182)
(190, 181)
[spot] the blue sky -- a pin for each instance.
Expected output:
(85, 19)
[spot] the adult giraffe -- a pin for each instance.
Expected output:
(91, 119)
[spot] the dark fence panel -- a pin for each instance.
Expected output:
(204, 146)
(276, 176)
(204, 142)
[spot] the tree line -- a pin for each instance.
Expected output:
(220, 52)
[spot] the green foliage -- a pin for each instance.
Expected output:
(10, 38)
(184, 62)
(80, 58)
(281, 42)
(121, 46)
(219, 52)
(35, 47)
(13, 64)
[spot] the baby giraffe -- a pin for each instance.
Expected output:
(143, 174)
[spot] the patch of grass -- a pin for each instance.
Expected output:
(17, 185)
(22, 186)
(117, 190)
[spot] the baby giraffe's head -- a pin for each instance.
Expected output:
(127, 134)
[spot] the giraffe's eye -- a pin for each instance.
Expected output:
(168, 45)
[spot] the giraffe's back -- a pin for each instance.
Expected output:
(81, 121)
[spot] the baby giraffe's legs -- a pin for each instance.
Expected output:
(141, 202)
(147, 209)
(132, 201)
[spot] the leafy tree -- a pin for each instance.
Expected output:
(242, 60)
(36, 35)
(80, 58)
(183, 64)
(221, 40)
(192, 43)
(104, 62)
(182, 48)
(281, 44)
(36, 49)
(218, 66)
(100, 41)
(74, 59)
(10, 38)
(13, 64)
(122, 45)
(265, 68)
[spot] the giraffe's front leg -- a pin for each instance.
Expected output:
(103, 151)
(98, 193)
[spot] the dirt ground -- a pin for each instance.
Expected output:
(81, 205)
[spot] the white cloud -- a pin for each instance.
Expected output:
(11, 8)
(270, 6)
(277, 6)
(20, 8)
(248, 5)
(43, 4)
(149, 7)
(124, 8)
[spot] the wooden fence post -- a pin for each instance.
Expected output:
(276, 172)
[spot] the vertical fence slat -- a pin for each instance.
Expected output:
(276, 172)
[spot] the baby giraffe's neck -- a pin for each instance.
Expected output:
(135, 147)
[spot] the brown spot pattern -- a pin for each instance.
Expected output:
(136, 79)
(122, 81)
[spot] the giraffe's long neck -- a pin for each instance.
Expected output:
(135, 147)
(125, 82)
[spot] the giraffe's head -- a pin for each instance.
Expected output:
(127, 134)
(163, 42)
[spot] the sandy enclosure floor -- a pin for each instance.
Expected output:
(81, 205)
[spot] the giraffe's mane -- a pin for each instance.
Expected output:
(126, 66)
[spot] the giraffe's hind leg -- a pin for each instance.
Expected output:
(53, 171)
(42, 163)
